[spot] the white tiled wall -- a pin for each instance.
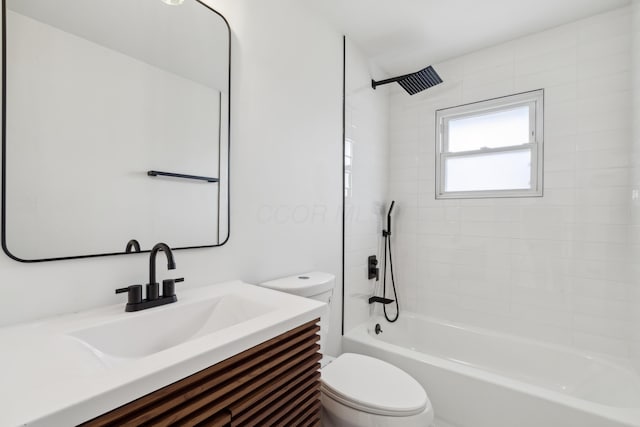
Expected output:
(366, 129)
(555, 268)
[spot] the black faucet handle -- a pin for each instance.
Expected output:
(169, 287)
(153, 290)
(134, 291)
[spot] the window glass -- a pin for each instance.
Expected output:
(496, 171)
(494, 129)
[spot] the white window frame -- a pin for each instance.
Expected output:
(535, 100)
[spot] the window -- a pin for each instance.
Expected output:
(491, 148)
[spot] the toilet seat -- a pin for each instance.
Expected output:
(373, 386)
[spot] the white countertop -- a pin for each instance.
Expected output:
(48, 378)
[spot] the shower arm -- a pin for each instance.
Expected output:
(375, 84)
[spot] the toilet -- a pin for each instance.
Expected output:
(358, 390)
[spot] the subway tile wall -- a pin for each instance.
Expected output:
(366, 134)
(555, 268)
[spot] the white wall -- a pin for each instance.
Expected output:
(366, 130)
(635, 182)
(285, 165)
(554, 268)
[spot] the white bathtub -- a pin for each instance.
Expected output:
(479, 378)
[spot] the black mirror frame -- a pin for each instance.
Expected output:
(4, 154)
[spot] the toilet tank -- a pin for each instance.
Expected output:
(315, 285)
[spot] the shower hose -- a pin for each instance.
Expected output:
(387, 243)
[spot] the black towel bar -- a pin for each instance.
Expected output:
(180, 175)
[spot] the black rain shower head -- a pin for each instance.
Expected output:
(414, 82)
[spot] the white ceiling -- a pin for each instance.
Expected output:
(403, 36)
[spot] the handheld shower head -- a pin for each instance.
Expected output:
(393, 202)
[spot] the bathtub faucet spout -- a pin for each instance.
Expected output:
(380, 300)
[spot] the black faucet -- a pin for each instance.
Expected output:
(153, 286)
(135, 301)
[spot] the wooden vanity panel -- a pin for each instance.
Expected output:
(265, 397)
(274, 383)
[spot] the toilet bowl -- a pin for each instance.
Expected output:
(358, 390)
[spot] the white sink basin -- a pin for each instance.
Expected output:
(66, 369)
(147, 332)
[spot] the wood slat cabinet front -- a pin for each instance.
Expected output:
(276, 383)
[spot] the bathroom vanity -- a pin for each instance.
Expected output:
(274, 383)
(226, 354)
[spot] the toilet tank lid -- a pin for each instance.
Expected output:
(304, 285)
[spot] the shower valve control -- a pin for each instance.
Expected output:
(374, 271)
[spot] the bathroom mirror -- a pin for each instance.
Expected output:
(101, 100)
